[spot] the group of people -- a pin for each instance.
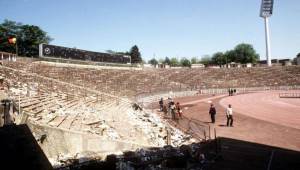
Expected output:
(171, 108)
(229, 114)
(176, 112)
(231, 91)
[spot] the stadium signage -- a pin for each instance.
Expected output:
(53, 51)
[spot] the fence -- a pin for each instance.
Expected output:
(249, 89)
(289, 95)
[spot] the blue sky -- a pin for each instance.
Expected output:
(173, 28)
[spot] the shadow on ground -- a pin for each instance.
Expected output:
(19, 150)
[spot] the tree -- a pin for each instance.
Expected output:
(245, 53)
(194, 60)
(206, 59)
(153, 61)
(218, 58)
(28, 38)
(174, 62)
(167, 61)
(135, 55)
(185, 62)
(230, 56)
(8, 29)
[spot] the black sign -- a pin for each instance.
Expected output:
(77, 54)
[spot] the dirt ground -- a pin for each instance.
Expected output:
(261, 117)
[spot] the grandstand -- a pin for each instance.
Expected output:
(76, 107)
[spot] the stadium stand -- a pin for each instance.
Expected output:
(98, 101)
(134, 82)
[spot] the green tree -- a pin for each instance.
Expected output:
(245, 53)
(153, 61)
(218, 58)
(185, 62)
(230, 56)
(206, 59)
(28, 38)
(174, 62)
(8, 29)
(135, 55)
(167, 61)
(194, 60)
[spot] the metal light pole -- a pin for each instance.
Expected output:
(266, 11)
(268, 46)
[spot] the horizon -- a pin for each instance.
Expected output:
(162, 29)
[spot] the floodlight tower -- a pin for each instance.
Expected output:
(266, 11)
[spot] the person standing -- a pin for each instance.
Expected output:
(161, 104)
(179, 111)
(173, 108)
(212, 112)
(229, 116)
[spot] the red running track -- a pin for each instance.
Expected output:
(267, 106)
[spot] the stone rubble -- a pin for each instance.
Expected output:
(156, 129)
(196, 156)
(95, 121)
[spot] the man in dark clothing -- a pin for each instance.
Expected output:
(212, 112)
(173, 108)
(161, 104)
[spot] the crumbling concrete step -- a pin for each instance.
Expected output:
(76, 124)
(66, 124)
(57, 121)
(74, 119)
(70, 104)
(37, 106)
(35, 102)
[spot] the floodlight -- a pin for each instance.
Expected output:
(266, 10)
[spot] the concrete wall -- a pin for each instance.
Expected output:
(60, 141)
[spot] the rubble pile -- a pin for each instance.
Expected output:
(184, 157)
(194, 156)
(157, 129)
(65, 160)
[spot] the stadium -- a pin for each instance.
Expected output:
(76, 109)
(67, 108)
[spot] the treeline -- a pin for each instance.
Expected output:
(242, 53)
(28, 38)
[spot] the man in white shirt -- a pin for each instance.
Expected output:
(229, 112)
